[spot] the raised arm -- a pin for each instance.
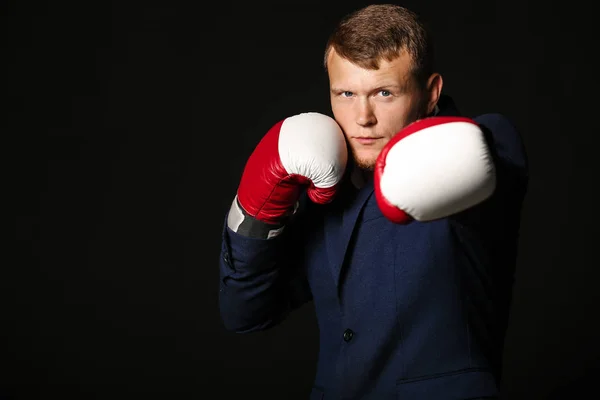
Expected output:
(261, 270)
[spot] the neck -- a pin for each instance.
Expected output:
(360, 176)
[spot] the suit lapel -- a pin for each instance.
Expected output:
(341, 223)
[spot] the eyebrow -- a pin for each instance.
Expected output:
(400, 88)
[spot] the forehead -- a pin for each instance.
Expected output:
(342, 72)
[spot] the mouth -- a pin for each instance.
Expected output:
(367, 140)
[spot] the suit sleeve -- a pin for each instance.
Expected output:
(261, 280)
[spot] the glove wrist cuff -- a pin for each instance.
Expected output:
(239, 221)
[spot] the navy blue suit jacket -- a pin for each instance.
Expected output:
(416, 311)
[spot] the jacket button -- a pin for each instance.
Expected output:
(348, 334)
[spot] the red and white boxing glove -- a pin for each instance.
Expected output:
(433, 168)
(305, 150)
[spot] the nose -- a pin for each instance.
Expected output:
(365, 115)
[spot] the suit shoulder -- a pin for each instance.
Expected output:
(497, 122)
(504, 138)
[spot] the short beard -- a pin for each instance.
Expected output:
(363, 164)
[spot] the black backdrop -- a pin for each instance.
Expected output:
(128, 126)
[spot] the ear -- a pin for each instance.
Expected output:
(433, 89)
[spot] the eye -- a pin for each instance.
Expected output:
(385, 93)
(347, 94)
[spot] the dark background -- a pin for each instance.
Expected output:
(127, 127)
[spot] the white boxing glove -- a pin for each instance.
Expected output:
(433, 168)
(303, 151)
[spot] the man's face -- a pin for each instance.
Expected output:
(371, 106)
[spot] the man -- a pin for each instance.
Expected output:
(399, 220)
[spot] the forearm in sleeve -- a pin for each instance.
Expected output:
(260, 282)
